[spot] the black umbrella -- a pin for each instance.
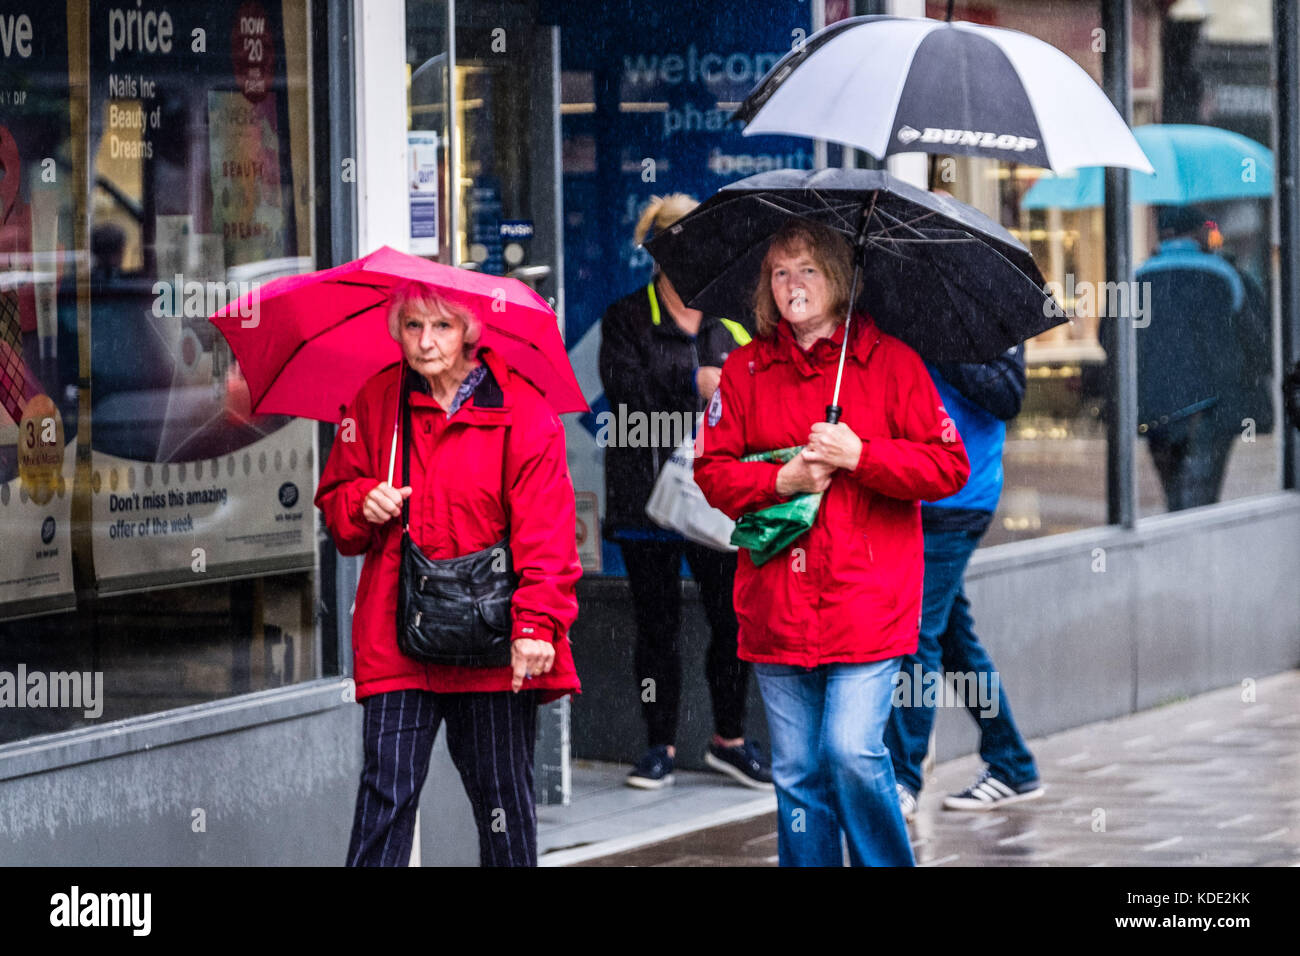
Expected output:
(934, 272)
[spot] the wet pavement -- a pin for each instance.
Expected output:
(1210, 781)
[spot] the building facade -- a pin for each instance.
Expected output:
(174, 641)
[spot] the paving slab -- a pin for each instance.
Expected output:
(1209, 781)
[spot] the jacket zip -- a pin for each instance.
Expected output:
(871, 557)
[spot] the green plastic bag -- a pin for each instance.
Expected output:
(768, 532)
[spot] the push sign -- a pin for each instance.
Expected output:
(516, 229)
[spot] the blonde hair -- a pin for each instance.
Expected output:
(661, 212)
(826, 247)
(417, 296)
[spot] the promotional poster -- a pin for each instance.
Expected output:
(195, 207)
(38, 331)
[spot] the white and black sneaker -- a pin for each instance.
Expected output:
(988, 792)
(906, 802)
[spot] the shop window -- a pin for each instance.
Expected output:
(647, 90)
(1206, 377)
(1054, 460)
(156, 165)
(1208, 427)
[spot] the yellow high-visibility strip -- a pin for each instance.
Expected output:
(737, 331)
(735, 328)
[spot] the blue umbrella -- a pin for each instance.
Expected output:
(1193, 164)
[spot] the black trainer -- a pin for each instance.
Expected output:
(653, 770)
(744, 764)
(988, 792)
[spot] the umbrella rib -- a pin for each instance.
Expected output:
(360, 285)
(825, 204)
(899, 223)
(927, 241)
(785, 209)
(871, 213)
(303, 344)
(513, 335)
(884, 248)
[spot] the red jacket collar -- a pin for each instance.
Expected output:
(471, 413)
(782, 347)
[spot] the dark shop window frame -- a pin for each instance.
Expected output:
(334, 138)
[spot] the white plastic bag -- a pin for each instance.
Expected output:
(678, 504)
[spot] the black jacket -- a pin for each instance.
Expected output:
(647, 365)
(998, 386)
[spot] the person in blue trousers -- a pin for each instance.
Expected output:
(980, 398)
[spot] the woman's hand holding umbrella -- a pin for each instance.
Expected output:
(829, 447)
(801, 474)
(384, 503)
(835, 446)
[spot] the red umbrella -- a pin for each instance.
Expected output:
(307, 343)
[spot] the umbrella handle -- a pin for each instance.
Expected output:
(397, 417)
(392, 455)
(833, 413)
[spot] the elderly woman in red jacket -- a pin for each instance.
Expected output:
(487, 462)
(826, 623)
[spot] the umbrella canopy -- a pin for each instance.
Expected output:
(904, 85)
(936, 273)
(1192, 164)
(307, 343)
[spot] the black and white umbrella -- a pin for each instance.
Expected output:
(903, 85)
(933, 271)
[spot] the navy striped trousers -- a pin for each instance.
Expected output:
(490, 736)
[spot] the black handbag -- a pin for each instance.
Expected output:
(454, 610)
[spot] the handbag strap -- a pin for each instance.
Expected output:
(406, 454)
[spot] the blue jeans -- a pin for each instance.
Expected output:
(830, 766)
(948, 644)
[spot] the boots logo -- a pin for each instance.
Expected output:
(966, 137)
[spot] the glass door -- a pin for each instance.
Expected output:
(486, 131)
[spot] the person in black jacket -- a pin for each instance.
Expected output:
(658, 356)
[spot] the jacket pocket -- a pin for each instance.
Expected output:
(862, 519)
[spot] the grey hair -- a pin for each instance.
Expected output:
(422, 297)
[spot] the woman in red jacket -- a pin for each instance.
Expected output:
(826, 624)
(487, 461)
